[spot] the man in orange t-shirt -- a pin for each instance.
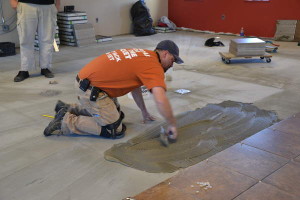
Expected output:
(112, 75)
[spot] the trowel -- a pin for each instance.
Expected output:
(164, 137)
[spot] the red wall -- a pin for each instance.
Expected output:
(257, 18)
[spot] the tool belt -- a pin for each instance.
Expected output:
(84, 85)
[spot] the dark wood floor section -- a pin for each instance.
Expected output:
(264, 166)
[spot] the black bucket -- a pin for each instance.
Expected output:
(7, 49)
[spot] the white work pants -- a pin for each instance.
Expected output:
(89, 117)
(34, 18)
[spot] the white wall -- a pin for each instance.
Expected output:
(114, 15)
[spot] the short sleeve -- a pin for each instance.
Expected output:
(152, 77)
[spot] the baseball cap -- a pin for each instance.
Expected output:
(173, 49)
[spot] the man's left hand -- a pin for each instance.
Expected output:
(57, 4)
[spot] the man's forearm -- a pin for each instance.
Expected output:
(138, 98)
(163, 105)
(57, 4)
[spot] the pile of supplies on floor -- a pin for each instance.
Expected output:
(247, 47)
(165, 25)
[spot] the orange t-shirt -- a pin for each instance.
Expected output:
(121, 71)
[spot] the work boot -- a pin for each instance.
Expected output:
(61, 113)
(60, 104)
(54, 128)
(47, 73)
(22, 75)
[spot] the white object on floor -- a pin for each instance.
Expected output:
(182, 91)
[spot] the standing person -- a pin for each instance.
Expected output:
(35, 16)
(112, 75)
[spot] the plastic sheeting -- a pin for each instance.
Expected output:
(142, 21)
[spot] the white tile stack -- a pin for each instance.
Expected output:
(84, 34)
(159, 29)
(69, 23)
(247, 47)
(103, 38)
(285, 30)
(297, 32)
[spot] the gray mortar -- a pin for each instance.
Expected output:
(202, 133)
(50, 93)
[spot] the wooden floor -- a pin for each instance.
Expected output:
(265, 166)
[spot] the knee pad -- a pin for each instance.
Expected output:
(110, 130)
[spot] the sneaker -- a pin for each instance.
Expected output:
(47, 73)
(60, 104)
(54, 128)
(61, 113)
(22, 75)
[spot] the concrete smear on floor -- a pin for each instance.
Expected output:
(202, 133)
(50, 93)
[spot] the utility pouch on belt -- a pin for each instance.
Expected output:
(84, 84)
(94, 93)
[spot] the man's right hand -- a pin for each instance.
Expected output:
(14, 4)
(173, 130)
(165, 109)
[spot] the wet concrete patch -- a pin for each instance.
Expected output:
(202, 133)
(50, 93)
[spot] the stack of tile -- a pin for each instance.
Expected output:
(84, 34)
(285, 30)
(247, 47)
(297, 32)
(66, 21)
(103, 38)
(160, 29)
(66, 34)
(36, 41)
